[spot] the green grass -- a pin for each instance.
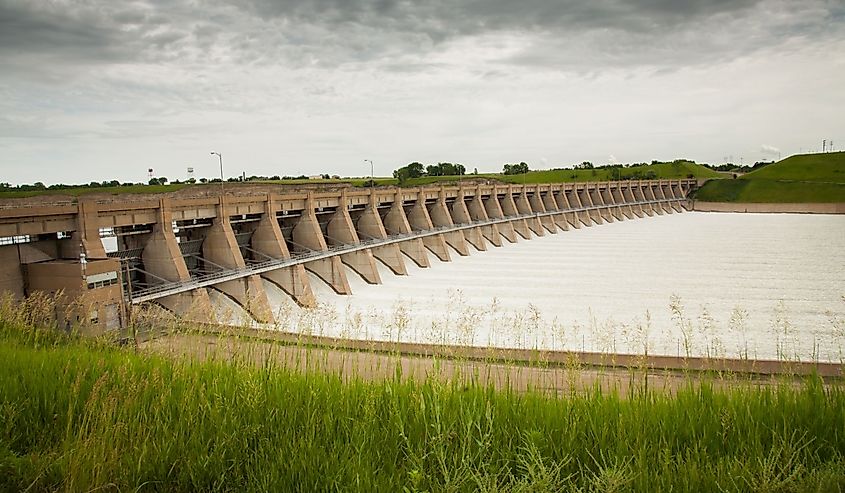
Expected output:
(770, 191)
(678, 169)
(75, 192)
(83, 415)
(802, 179)
(826, 167)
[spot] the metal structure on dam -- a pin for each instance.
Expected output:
(171, 250)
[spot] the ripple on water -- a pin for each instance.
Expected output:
(609, 287)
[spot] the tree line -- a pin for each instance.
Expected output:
(417, 169)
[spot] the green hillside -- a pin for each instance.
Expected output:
(803, 178)
(828, 167)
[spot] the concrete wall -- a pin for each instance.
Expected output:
(801, 208)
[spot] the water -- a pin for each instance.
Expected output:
(761, 285)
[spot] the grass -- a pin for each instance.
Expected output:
(661, 171)
(825, 167)
(675, 170)
(801, 179)
(75, 192)
(771, 191)
(84, 415)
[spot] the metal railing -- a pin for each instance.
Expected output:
(204, 280)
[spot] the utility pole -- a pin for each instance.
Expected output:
(220, 157)
(372, 181)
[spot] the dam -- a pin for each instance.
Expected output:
(172, 250)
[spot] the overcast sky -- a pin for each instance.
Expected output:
(104, 89)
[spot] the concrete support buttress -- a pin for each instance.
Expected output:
(651, 194)
(640, 195)
(396, 222)
(307, 234)
(657, 189)
(550, 203)
(587, 201)
(536, 203)
(636, 209)
(163, 259)
(460, 215)
(493, 210)
(574, 202)
(524, 207)
(439, 214)
(570, 217)
(220, 247)
(609, 200)
(509, 209)
(87, 234)
(419, 220)
(341, 231)
(678, 193)
(267, 240)
(598, 200)
(371, 226)
(478, 212)
(621, 203)
(668, 193)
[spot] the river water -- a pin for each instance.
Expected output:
(756, 285)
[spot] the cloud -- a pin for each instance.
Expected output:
(769, 150)
(474, 81)
(404, 35)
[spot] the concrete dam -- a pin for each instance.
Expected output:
(170, 250)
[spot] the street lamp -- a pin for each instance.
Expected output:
(372, 181)
(220, 157)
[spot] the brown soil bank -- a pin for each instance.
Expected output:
(555, 371)
(776, 208)
(377, 366)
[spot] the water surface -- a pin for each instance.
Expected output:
(765, 285)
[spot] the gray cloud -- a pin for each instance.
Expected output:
(564, 35)
(319, 81)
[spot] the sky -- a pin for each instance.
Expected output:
(105, 89)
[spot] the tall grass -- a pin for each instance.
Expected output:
(82, 415)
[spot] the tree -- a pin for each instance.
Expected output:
(413, 170)
(434, 170)
(515, 169)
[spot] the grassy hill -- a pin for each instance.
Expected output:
(829, 167)
(802, 178)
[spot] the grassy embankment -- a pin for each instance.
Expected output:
(802, 178)
(659, 171)
(680, 169)
(83, 415)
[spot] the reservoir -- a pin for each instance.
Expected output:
(768, 286)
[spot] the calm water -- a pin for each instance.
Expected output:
(769, 285)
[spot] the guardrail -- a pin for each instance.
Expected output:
(169, 289)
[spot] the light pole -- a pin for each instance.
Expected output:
(372, 181)
(220, 157)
